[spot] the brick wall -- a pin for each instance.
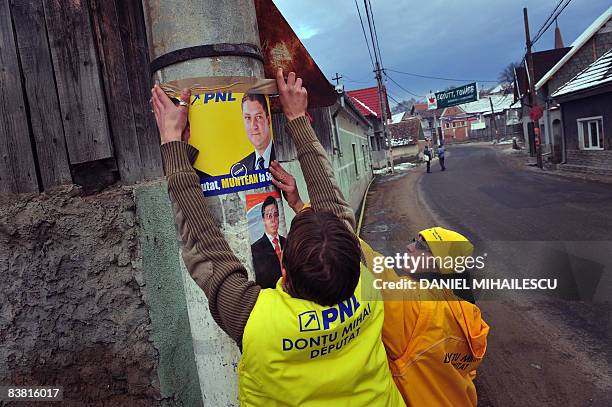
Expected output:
(589, 158)
(455, 134)
(598, 45)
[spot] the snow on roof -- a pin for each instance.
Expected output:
(577, 44)
(396, 118)
(364, 107)
(371, 98)
(500, 103)
(499, 88)
(596, 74)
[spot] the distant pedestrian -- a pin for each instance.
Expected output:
(441, 156)
(427, 157)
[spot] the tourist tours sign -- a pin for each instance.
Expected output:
(453, 97)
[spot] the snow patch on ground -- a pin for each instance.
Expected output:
(397, 168)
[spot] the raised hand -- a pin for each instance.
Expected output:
(293, 96)
(171, 119)
(286, 183)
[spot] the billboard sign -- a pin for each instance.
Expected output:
(453, 97)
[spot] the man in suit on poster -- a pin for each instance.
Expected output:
(267, 250)
(256, 117)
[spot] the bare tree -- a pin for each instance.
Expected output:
(404, 106)
(507, 75)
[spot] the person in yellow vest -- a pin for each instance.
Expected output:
(433, 339)
(314, 339)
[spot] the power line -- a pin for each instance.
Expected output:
(439, 78)
(350, 79)
(401, 87)
(368, 12)
(364, 34)
(394, 99)
(376, 34)
(551, 19)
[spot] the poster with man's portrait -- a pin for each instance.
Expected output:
(233, 133)
(267, 233)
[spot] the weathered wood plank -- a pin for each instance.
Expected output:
(17, 167)
(135, 50)
(39, 83)
(117, 88)
(321, 123)
(78, 80)
(283, 145)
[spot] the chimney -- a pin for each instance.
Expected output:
(558, 39)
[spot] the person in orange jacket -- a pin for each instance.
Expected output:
(434, 340)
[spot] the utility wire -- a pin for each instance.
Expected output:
(361, 80)
(550, 20)
(376, 34)
(401, 87)
(368, 12)
(549, 17)
(439, 78)
(364, 33)
(394, 99)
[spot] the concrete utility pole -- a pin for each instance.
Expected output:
(181, 24)
(381, 93)
(532, 92)
(383, 109)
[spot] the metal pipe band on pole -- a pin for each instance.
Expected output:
(181, 24)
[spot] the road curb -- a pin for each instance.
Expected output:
(363, 205)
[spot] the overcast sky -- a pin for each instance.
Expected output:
(469, 39)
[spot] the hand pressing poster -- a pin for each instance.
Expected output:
(267, 232)
(233, 132)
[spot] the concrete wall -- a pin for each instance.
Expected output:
(353, 168)
(409, 153)
(73, 307)
(598, 45)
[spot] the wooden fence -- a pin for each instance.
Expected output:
(74, 94)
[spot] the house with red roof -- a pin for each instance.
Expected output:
(368, 102)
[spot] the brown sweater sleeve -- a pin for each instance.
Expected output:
(209, 259)
(318, 172)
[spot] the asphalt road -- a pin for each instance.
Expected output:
(546, 348)
(491, 199)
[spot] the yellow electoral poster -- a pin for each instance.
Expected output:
(233, 132)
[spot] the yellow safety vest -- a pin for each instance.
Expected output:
(299, 353)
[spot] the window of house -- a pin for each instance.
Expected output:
(590, 133)
(448, 125)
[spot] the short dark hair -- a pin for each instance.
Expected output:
(256, 97)
(322, 258)
(270, 200)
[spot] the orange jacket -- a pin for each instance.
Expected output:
(434, 343)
